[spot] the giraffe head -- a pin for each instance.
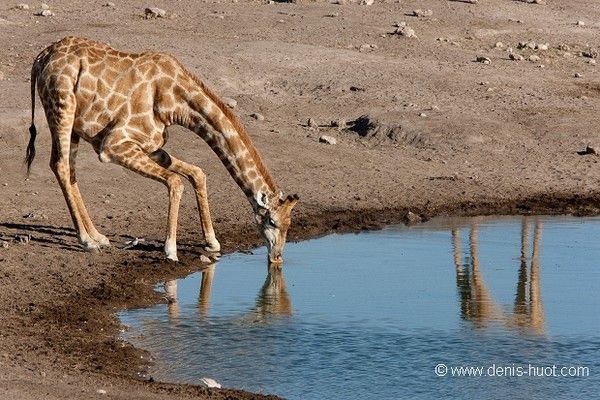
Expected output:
(274, 219)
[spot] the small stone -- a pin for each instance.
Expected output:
(312, 124)
(542, 46)
(229, 102)
(340, 123)
(109, 4)
(367, 2)
(516, 57)
(540, 2)
(484, 60)
(23, 238)
(101, 391)
(404, 30)
(422, 13)
(578, 75)
(566, 54)
(155, 12)
(423, 115)
(209, 383)
(22, 6)
(589, 149)
(590, 53)
(592, 62)
(534, 58)
(563, 47)
(580, 23)
(327, 139)
(44, 6)
(4, 244)
(499, 45)
(45, 13)
(411, 218)
(527, 45)
(257, 116)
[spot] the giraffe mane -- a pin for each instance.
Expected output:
(240, 129)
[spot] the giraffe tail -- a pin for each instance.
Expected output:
(30, 155)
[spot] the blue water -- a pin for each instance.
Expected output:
(370, 315)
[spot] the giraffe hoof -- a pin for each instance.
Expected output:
(213, 248)
(91, 247)
(172, 257)
(102, 240)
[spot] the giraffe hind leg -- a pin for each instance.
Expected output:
(87, 221)
(60, 121)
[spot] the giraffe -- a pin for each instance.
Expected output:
(122, 103)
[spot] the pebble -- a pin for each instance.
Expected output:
(422, 13)
(209, 383)
(590, 53)
(412, 218)
(367, 2)
(4, 244)
(311, 123)
(542, 46)
(155, 12)
(404, 30)
(589, 149)
(484, 60)
(44, 6)
(229, 102)
(534, 58)
(592, 62)
(578, 75)
(580, 23)
(563, 47)
(340, 123)
(22, 6)
(526, 45)
(367, 47)
(423, 115)
(257, 116)
(101, 391)
(327, 139)
(516, 57)
(109, 4)
(499, 45)
(45, 13)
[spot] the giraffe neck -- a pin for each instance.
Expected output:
(212, 120)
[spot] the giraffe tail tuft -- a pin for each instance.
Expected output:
(30, 155)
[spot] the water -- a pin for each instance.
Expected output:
(370, 315)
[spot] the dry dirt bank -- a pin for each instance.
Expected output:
(444, 134)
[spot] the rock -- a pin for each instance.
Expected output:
(589, 149)
(590, 53)
(23, 238)
(312, 124)
(542, 46)
(44, 6)
(499, 45)
(411, 218)
(101, 391)
(327, 139)
(154, 12)
(422, 13)
(580, 23)
(563, 47)
(109, 4)
(526, 45)
(22, 6)
(516, 57)
(4, 244)
(578, 75)
(404, 30)
(484, 60)
(257, 116)
(340, 123)
(592, 62)
(534, 58)
(367, 47)
(540, 2)
(367, 2)
(209, 383)
(45, 13)
(422, 115)
(229, 102)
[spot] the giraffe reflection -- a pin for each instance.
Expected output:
(476, 303)
(273, 297)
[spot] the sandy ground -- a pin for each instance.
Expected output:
(441, 134)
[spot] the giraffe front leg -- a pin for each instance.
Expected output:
(130, 155)
(198, 179)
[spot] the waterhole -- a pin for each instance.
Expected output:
(504, 307)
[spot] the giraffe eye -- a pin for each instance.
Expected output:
(271, 222)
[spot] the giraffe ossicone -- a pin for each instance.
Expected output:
(122, 103)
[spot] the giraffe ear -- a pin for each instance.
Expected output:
(262, 199)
